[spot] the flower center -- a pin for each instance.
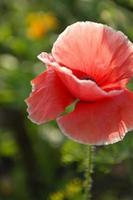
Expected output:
(82, 75)
(87, 78)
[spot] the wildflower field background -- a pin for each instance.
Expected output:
(38, 162)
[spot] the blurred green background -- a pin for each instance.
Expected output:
(38, 162)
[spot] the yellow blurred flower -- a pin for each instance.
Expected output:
(57, 196)
(39, 23)
(74, 187)
(71, 189)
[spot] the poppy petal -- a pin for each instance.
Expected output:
(85, 90)
(46, 58)
(103, 53)
(103, 122)
(49, 97)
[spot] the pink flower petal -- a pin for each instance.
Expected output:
(49, 97)
(85, 90)
(104, 54)
(46, 58)
(102, 122)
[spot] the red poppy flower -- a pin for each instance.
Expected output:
(92, 64)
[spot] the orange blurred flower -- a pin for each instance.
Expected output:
(39, 23)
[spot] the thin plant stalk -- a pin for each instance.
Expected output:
(89, 171)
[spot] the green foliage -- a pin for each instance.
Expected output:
(110, 155)
(72, 151)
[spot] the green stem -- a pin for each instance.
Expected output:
(88, 172)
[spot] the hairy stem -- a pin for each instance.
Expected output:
(89, 171)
